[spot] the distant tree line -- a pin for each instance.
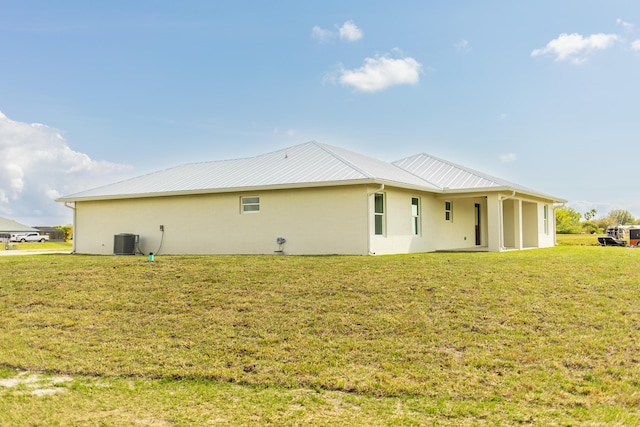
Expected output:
(67, 230)
(570, 221)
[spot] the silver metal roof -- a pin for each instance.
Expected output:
(309, 164)
(450, 176)
(9, 225)
(445, 174)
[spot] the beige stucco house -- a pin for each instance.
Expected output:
(312, 198)
(10, 226)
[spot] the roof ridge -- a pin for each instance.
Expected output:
(235, 159)
(417, 176)
(495, 179)
(338, 157)
(469, 170)
(328, 148)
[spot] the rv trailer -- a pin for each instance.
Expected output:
(621, 235)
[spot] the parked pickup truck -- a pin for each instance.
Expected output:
(30, 237)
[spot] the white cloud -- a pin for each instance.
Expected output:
(509, 157)
(635, 46)
(350, 32)
(37, 166)
(575, 47)
(625, 24)
(462, 45)
(381, 72)
(288, 132)
(321, 34)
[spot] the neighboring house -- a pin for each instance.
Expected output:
(320, 199)
(54, 234)
(9, 227)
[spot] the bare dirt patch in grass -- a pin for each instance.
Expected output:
(35, 384)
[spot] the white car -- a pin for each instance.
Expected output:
(29, 237)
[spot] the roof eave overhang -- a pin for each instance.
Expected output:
(246, 189)
(513, 191)
(440, 193)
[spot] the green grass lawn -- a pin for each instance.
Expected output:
(540, 337)
(578, 239)
(37, 246)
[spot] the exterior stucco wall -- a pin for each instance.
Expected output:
(509, 222)
(459, 231)
(398, 237)
(323, 220)
(524, 224)
(327, 220)
(531, 226)
(436, 233)
(535, 232)
(547, 232)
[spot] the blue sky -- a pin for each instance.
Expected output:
(542, 93)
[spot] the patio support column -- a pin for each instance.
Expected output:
(494, 222)
(517, 223)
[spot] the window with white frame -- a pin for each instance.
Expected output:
(378, 214)
(448, 211)
(250, 204)
(545, 215)
(415, 216)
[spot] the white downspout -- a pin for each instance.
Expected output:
(555, 233)
(369, 214)
(73, 224)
